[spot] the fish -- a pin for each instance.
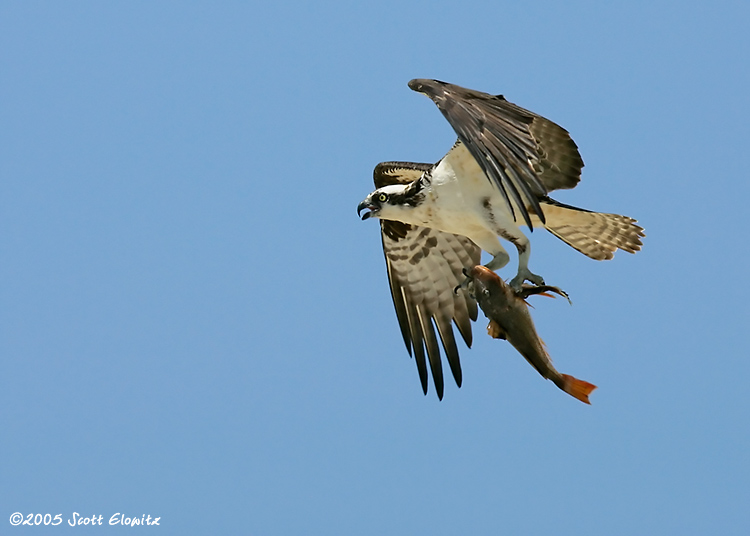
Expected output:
(510, 319)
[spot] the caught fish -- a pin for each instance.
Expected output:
(509, 318)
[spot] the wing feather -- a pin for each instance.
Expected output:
(400, 304)
(422, 279)
(525, 155)
(415, 330)
(433, 350)
(387, 173)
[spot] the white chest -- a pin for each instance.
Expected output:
(461, 199)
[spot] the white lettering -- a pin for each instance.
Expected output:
(73, 523)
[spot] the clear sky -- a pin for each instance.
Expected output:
(195, 325)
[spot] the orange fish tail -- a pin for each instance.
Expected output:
(577, 388)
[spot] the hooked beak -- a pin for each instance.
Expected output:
(366, 205)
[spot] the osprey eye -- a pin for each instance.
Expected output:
(383, 198)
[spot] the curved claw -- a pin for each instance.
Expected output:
(465, 282)
(525, 275)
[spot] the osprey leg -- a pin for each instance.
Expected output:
(501, 258)
(488, 242)
(524, 274)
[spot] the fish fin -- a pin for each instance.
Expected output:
(577, 388)
(495, 331)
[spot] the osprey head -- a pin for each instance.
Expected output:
(390, 202)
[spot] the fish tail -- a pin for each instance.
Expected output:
(577, 388)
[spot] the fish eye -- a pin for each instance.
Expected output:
(383, 198)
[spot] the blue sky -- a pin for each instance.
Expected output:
(195, 325)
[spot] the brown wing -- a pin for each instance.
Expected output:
(424, 266)
(387, 173)
(524, 154)
(560, 163)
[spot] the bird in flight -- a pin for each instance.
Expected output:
(437, 218)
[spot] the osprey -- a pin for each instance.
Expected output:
(437, 218)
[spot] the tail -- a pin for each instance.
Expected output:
(576, 388)
(594, 234)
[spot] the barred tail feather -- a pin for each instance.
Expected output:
(595, 234)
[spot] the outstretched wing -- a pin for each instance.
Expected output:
(524, 154)
(424, 266)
